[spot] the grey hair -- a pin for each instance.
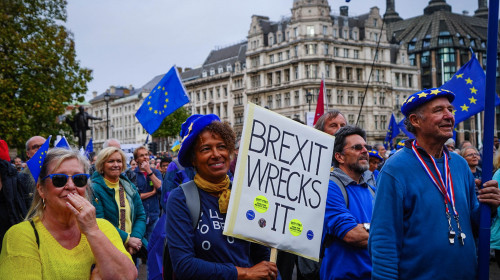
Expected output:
(320, 124)
(106, 143)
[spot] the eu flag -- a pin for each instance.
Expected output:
(166, 97)
(392, 132)
(468, 85)
(402, 127)
(89, 149)
(63, 143)
(35, 163)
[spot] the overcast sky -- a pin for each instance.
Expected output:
(128, 42)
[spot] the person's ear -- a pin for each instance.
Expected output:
(339, 157)
(415, 120)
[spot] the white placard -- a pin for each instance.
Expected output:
(280, 185)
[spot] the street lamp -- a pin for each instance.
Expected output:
(106, 99)
(309, 99)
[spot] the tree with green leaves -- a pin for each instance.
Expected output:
(39, 71)
(171, 125)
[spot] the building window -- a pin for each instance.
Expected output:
(296, 32)
(338, 72)
(382, 98)
(325, 49)
(383, 122)
(270, 101)
(212, 71)
(271, 58)
(412, 59)
(334, 33)
(346, 52)
(288, 54)
(398, 82)
(340, 97)
(229, 68)
(204, 74)
(360, 97)
(287, 99)
(310, 30)
(297, 97)
(198, 96)
(218, 92)
(255, 61)
(335, 51)
(356, 54)
(220, 70)
(350, 97)
(361, 122)
(325, 29)
(374, 98)
(287, 75)
(355, 35)
(269, 79)
(376, 121)
(345, 35)
(311, 71)
(296, 50)
(410, 80)
(278, 78)
(327, 70)
(348, 72)
(329, 96)
(280, 56)
(359, 74)
(350, 118)
(278, 100)
(255, 81)
(296, 71)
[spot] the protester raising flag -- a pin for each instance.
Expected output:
(468, 85)
(392, 132)
(35, 163)
(166, 97)
(320, 107)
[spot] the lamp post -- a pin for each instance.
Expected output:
(106, 99)
(309, 99)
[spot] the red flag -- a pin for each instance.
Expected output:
(320, 107)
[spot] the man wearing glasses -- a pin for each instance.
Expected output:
(25, 178)
(348, 209)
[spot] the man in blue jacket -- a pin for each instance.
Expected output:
(348, 209)
(426, 210)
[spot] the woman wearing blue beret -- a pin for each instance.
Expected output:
(201, 251)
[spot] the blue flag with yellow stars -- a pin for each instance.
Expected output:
(90, 148)
(468, 85)
(35, 163)
(392, 132)
(166, 97)
(403, 129)
(63, 143)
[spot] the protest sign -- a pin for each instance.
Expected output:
(279, 190)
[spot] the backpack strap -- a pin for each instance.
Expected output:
(36, 234)
(341, 185)
(193, 201)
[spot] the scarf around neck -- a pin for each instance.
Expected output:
(221, 189)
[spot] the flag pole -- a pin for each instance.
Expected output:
(489, 117)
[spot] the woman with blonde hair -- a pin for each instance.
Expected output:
(117, 200)
(61, 238)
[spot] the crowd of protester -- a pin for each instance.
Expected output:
(102, 216)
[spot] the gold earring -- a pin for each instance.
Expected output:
(43, 202)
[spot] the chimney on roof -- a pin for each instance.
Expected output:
(130, 87)
(390, 14)
(344, 11)
(437, 5)
(465, 12)
(94, 94)
(482, 10)
(112, 90)
(187, 69)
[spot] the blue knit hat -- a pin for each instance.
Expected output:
(375, 154)
(400, 144)
(195, 127)
(185, 125)
(419, 98)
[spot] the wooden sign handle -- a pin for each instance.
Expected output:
(274, 255)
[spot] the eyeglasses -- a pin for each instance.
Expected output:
(35, 147)
(473, 154)
(60, 180)
(359, 147)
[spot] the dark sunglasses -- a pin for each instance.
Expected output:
(60, 180)
(359, 147)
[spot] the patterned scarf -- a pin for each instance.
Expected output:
(221, 189)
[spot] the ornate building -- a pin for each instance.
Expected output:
(281, 65)
(438, 43)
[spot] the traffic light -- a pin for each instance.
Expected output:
(153, 146)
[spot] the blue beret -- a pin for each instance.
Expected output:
(194, 128)
(375, 154)
(187, 123)
(419, 98)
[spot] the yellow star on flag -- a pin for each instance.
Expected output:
(472, 100)
(156, 111)
(165, 106)
(410, 99)
(465, 108)
(166, 100)
(423, 94)
(159, 87)
(149, 97)
(473, 90)
(434, 91)
(149, 102)
(150, 108)
(460, 76)
(469, 81)
(166, 92)
(453, 112)
(163, 88)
